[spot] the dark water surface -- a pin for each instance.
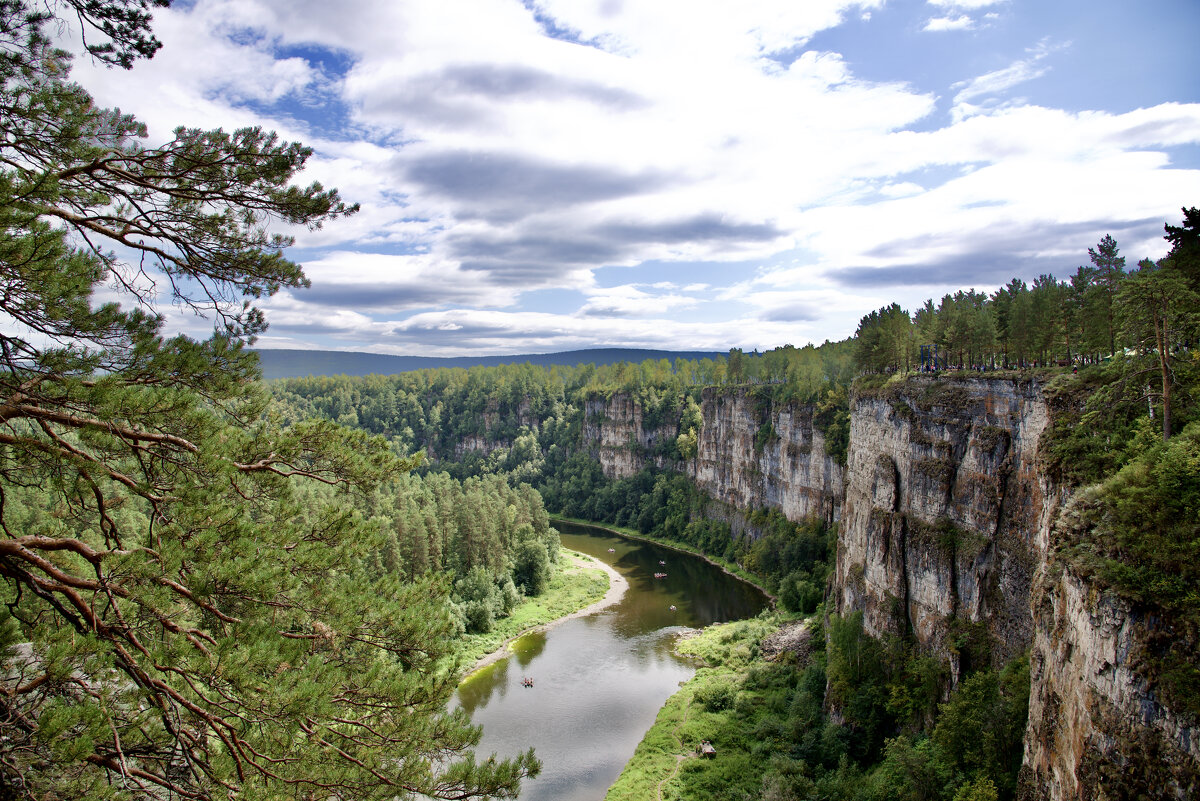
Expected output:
(600, 680)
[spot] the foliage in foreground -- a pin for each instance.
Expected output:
(176, 617)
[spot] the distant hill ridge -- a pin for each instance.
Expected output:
(278, 363)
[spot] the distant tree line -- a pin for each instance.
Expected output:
(1148, 317)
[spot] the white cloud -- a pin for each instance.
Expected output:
(632, 301)
(1001, 80)
(953, 17)
(966, 4)
(491, 159)
(959, 23)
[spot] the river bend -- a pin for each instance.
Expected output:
(600, 680)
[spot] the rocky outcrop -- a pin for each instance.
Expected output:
(939, 535)
(752, 454)
(791, 640)
(477, 443)
(948, 531)
(614, 431)
(1097, 727)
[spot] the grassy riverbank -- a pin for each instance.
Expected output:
(721, 704)
(578, 582)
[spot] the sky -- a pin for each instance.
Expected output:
(546, 175)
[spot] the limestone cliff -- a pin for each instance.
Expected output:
(1097, 727)
(942, 509)
(477, 443)
(614, 430)
(949, 528)
(752, 454)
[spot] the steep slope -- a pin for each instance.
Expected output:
(756, 455)
(943, 506)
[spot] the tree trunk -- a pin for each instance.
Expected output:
(1162, 339)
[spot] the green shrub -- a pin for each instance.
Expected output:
(717, 697)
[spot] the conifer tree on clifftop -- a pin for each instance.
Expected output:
(172, 622)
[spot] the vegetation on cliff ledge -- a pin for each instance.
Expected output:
(765, 713)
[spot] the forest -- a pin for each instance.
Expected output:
(196, 600)
(1115, 351)
(215, 587)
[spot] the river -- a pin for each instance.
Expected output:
(600, 680)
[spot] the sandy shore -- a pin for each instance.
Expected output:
(617, 584)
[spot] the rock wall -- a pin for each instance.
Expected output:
(754, 455)
(1097, 729)
(949, 529)
(614, 431)
(943, 503)
(946, 532)
(750, 454)
(477, 443)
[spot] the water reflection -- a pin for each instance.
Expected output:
(528, 647)
(600, 680)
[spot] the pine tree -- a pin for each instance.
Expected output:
(174, 622)
(1158, 310)
(1110, 269)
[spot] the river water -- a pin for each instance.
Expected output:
(600, 680)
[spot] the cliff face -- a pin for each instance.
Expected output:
(1097, 729)
(485, 443)
(946, 532)
(477, 443)
(751, 456)
(943, 503)
(949, 529)
(614, 431)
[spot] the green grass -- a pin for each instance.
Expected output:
(657, 755)
(702, 709)
(571, 589)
